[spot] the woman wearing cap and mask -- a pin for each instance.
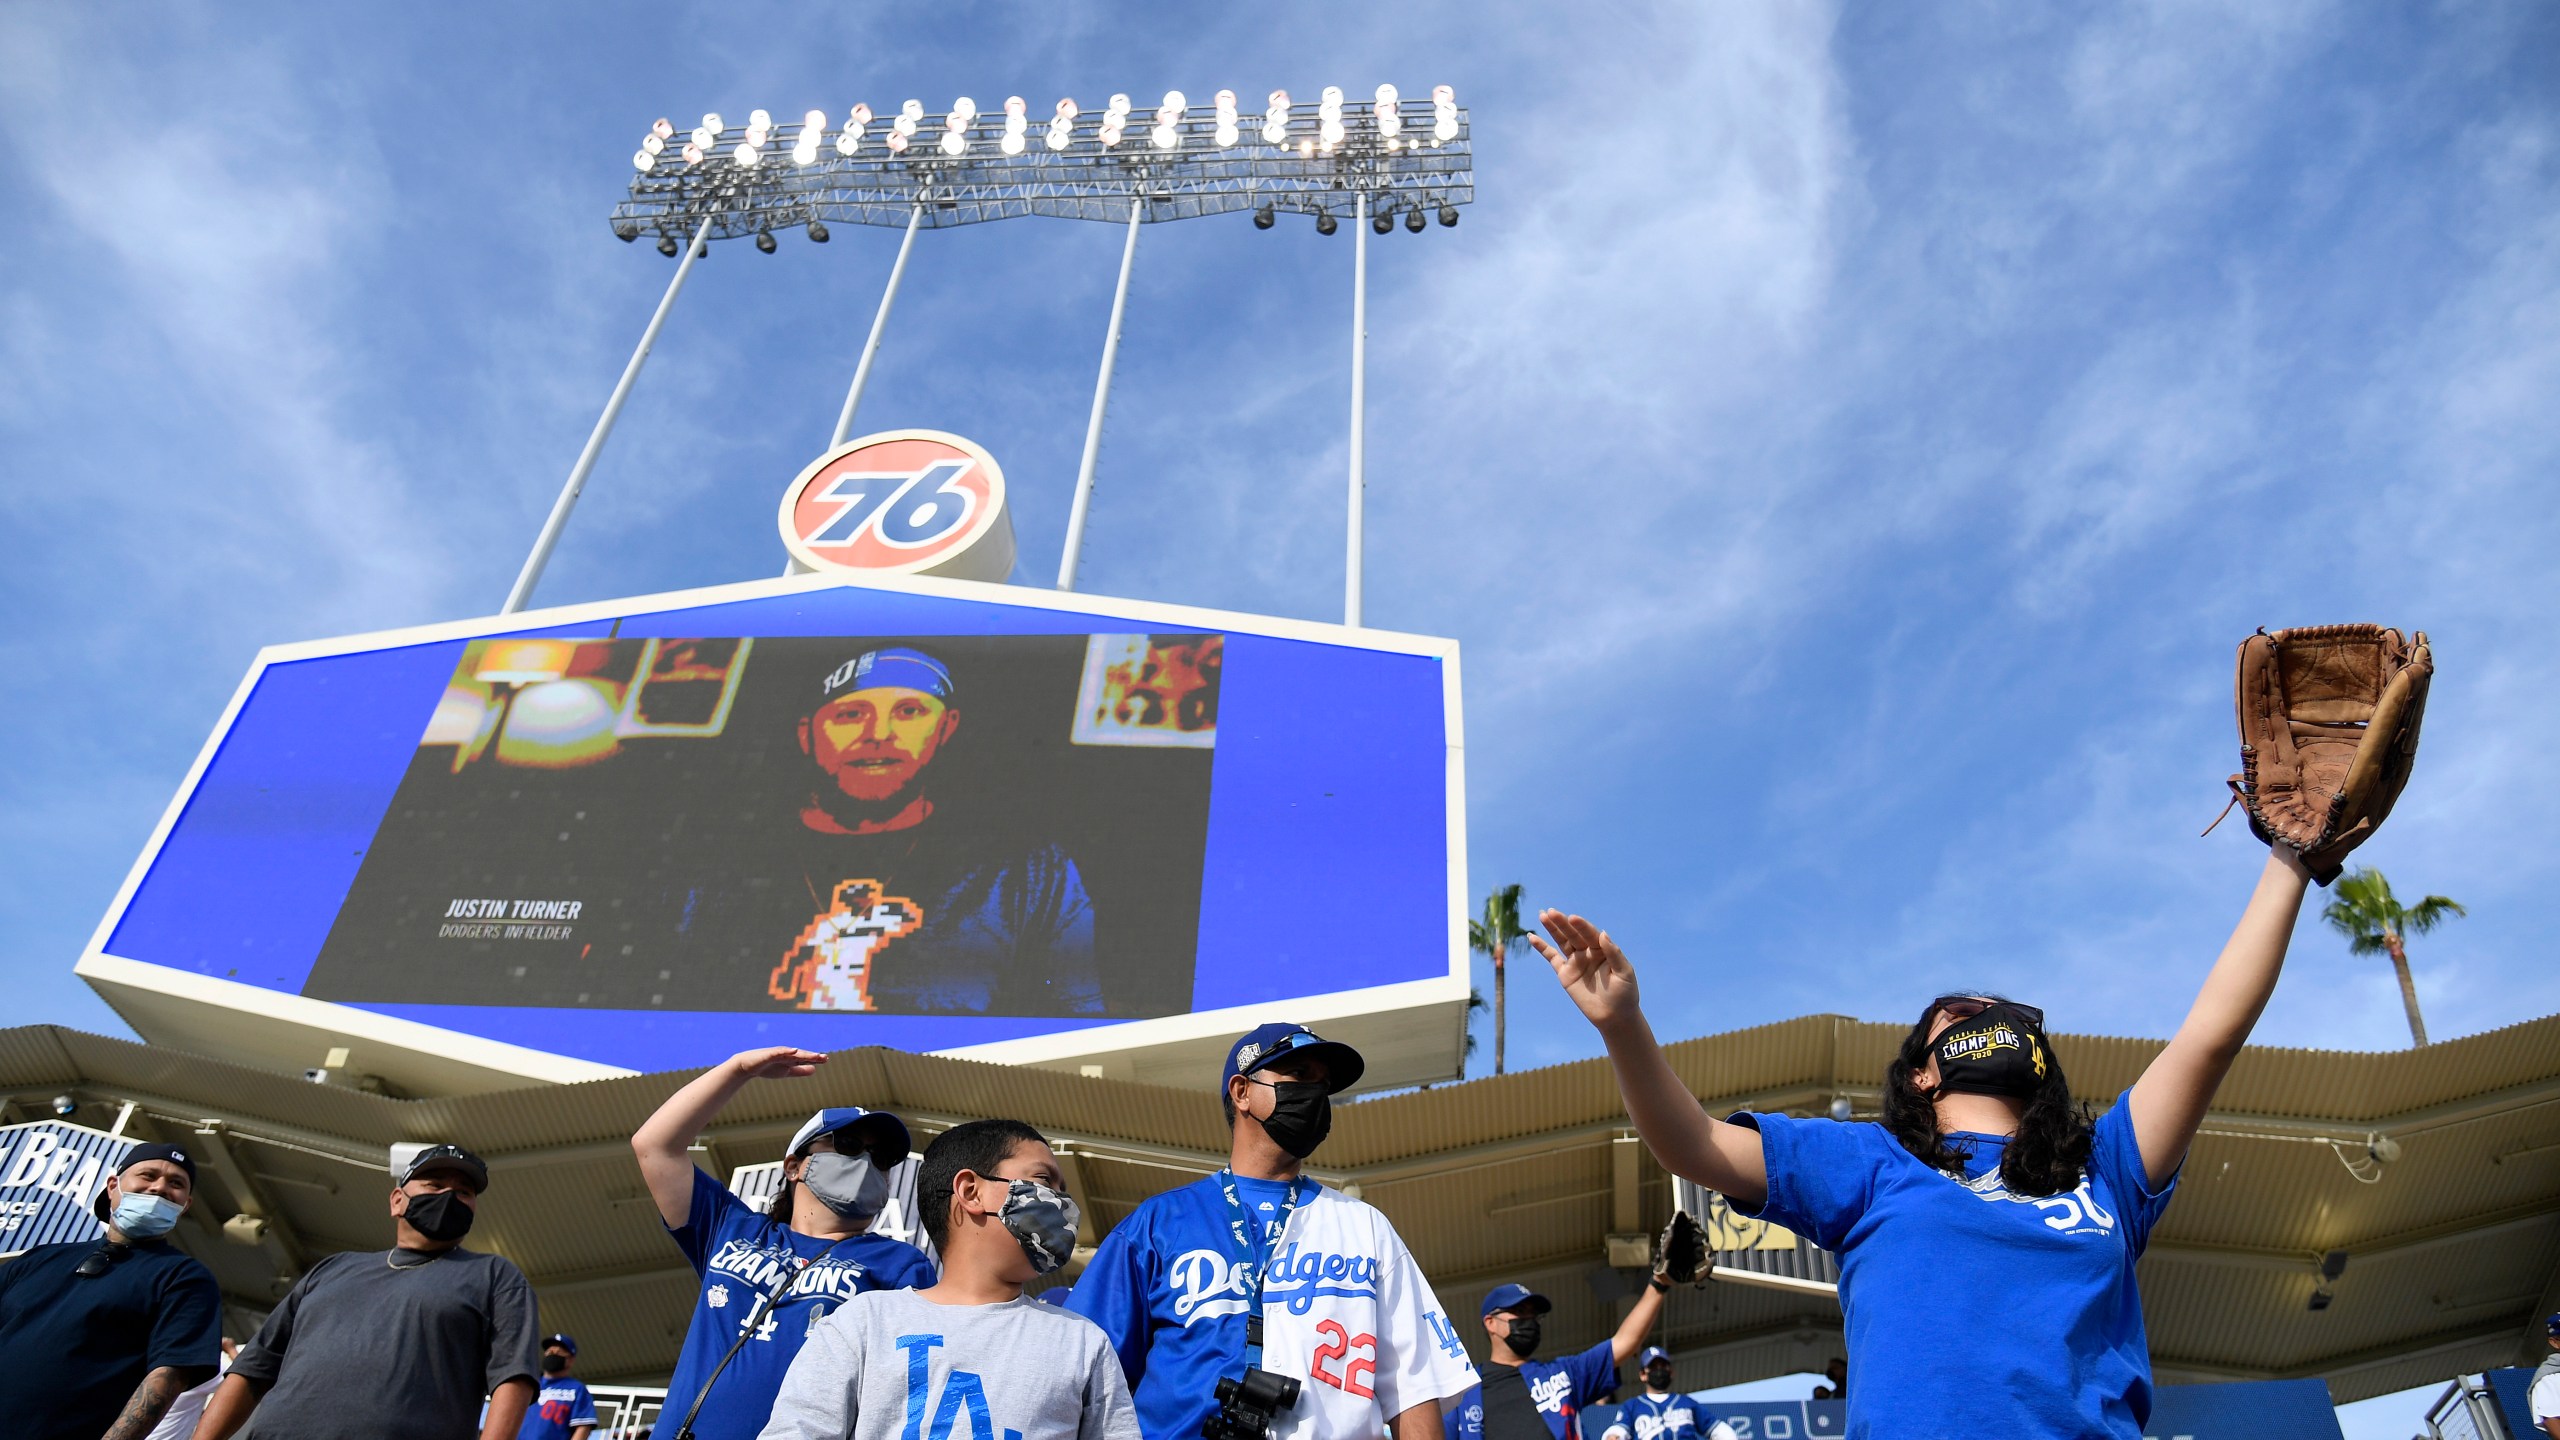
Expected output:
(768, 1278)
(1987, 1228)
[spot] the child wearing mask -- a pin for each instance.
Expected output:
(972, 1354)
(768, 1278)
(1985, 1186)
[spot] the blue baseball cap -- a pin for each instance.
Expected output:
(882, 1136)
(893, 667)
(1516, 1297)
(1342, 1064)
(563, 1341)
(1651, 1354)
(2552, 1324)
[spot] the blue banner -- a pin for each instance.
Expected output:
(1750, 1419)
(2262, 1410)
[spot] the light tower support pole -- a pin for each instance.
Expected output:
(531, 574)
(1101, 403)
(879, 326)
(870, 348)
(1359, 404)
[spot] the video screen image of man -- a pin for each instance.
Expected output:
(893, 910)
(956, 825)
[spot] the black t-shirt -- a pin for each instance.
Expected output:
(932, 920)
(391, 1352)
(72, 1349)
(1509, 1413)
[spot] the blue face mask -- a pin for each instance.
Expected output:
(146, 1217)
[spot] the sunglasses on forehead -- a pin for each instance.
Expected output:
(1961, 1008)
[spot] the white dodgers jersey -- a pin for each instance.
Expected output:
(1344, 1299)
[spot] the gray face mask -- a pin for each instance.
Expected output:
(1043, 1222)
(847, 1184)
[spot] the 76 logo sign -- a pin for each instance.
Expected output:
(901, 503)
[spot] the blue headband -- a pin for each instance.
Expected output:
(896, 668)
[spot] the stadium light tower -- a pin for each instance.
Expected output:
(967, 165)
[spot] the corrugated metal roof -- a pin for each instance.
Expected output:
(2452, 1244)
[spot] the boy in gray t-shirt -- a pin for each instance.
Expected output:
(972, 1358)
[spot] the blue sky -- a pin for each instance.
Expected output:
(1847, 443)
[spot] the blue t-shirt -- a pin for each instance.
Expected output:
(1559, 1388)
(741, 1256)
(76, 1348)
(1152, 1271)
(2053, 1339)
(563, 1405)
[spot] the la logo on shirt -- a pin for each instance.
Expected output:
(963, 1393)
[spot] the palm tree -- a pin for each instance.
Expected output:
(1497, 934)
(2363, 909)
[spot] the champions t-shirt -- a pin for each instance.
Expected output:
(2053, 1337)
(1346, 1311)
(929, 920)
(1558, 1388)
(741, 1257)
(563, 1405)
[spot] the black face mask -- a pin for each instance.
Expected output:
(1658, 1378)
(1301, 1116)
(1998, 1052)
(439, 1215)
(1523, 1336)
(554, 1364)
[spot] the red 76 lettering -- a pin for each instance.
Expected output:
(1339, 1342)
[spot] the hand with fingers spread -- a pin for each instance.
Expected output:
(1590, 966)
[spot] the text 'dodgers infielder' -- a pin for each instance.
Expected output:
(1256, 1302)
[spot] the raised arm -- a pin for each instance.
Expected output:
(2169, 1100)
(1682, 1136)
(1638, 1324)
(663, 1140)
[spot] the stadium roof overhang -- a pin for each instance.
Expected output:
(2453, 1245)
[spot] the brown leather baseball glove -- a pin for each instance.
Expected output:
(2328, 729)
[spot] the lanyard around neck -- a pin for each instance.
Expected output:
(1240, 1229)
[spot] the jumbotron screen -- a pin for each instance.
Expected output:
(910, 819)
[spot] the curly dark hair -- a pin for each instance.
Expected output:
(2046, 1157)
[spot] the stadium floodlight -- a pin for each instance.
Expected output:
(1313, 160)
(765, 242)
(1086, 169)
(818, 231)
(1017, 120)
